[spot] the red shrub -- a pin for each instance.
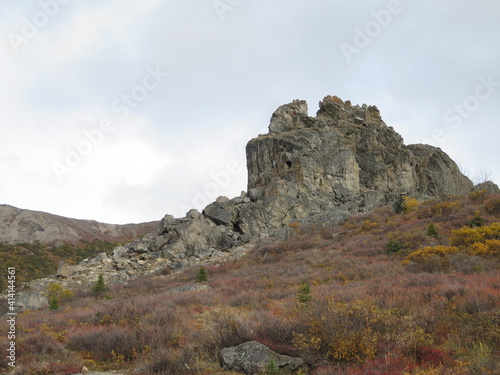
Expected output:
(102, 341)
(433, 357)
(65, 369)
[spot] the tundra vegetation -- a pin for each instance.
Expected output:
(415, 293)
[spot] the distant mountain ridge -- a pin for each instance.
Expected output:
(26, 226)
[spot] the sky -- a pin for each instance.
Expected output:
(123, 111)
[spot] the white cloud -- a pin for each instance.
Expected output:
(226, 79)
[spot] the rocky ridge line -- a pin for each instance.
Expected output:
(26, 226)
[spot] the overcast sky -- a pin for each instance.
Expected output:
(122, 111)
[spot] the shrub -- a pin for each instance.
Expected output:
(272, 367)
(479, 195)
(409, 205)
(433, 357)
(202, 275)
(169, 362)
(431, 258)
(99, 287)
(432, 231)
(487, 249)
(445, 209)
(304, 295)
(493, 208)
(55, 293)
(466, 236)
(476, 221)
(343, 332)
(393, 246)
(102, 342)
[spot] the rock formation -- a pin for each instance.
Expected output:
(306, 169)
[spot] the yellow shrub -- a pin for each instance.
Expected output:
(343, 331)
(431, 258)
(368, 226)
(409, 205)
(430, 251)
(57, 291)
(467, 236)
(441, 209)
(488, 248)
(479, 195)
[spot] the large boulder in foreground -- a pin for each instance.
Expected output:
(253, 358)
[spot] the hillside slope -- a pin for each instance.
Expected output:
(25, 226)
(415, 293)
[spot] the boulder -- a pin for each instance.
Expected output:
(221, 212)
(193, 214)
(32, 300)
(253, 357)
(64, 270)
(120, 252)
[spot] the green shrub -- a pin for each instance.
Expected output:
(477, 221)
(99, 287)
(202, 275)
(393, 246)
(304, 295)
(432, 231)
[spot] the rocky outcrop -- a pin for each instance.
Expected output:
(254, 358)
(25, 226)
(306, 169)
(488, 186)
(437, 174)
(344, 160)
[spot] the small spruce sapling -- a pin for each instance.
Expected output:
(272, 367)
(477, 221)
(53, 303)
(202, 275)
(432, 231)
(304, 295)
(99, 287)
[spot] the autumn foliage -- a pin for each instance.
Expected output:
(373, 295)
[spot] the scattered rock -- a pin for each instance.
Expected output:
(253, 357)
(192, 288)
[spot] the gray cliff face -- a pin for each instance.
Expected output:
(344, 160)
(437, 174)
(306, 169)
